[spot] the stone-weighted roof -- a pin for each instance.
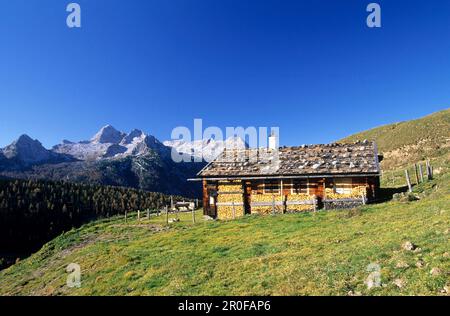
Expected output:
(328, 159)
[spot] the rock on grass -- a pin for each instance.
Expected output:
(409, 246)
(399, 283)
(435, 272)
(402, 265)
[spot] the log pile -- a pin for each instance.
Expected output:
(356, 193)
(300, 197)
(229, 198)
(226, 212)
(268, 198)
(300, 207)
(230, 192)
(231, 186)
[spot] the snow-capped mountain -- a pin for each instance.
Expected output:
(207, 149)
(82, 150)
(107, 135)
(111, 143)
(112, 157)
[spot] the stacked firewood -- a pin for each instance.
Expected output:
(226, 212)
(230, 192)
(300, 207)
(300, 197)
(357, 192)
(232, 186)
(229, 198)
(268, 198)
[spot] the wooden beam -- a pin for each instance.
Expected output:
(205, 198)
(277, 177)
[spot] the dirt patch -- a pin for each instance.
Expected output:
(152, 227)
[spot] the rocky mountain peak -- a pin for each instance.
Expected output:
(131, 136)
(25, 139)
(27, 150)
(108, 135)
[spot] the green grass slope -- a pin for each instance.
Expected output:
(410, 141)
(323, 253)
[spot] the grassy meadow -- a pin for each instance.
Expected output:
(323, 253)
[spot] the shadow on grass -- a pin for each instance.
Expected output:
(386, 194)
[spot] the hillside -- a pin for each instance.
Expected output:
(410, 141)
(324, 253)
(34, 212)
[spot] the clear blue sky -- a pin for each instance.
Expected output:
(313, 68)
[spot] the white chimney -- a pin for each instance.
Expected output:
(273, 141)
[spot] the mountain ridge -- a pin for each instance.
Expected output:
(26, 151)
(140, 160)
(111, 157)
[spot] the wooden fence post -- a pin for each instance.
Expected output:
(417, 174)
(126, 213)
(429, 171)
(193, 215)
(167, 215)
(408, 181)
(139, 216)
(420, 172)
(148, 213)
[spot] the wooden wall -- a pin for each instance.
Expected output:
(209, 191)
(314, 187)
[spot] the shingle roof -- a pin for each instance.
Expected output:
(329, 159)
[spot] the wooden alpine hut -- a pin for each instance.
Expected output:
(290, 179)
